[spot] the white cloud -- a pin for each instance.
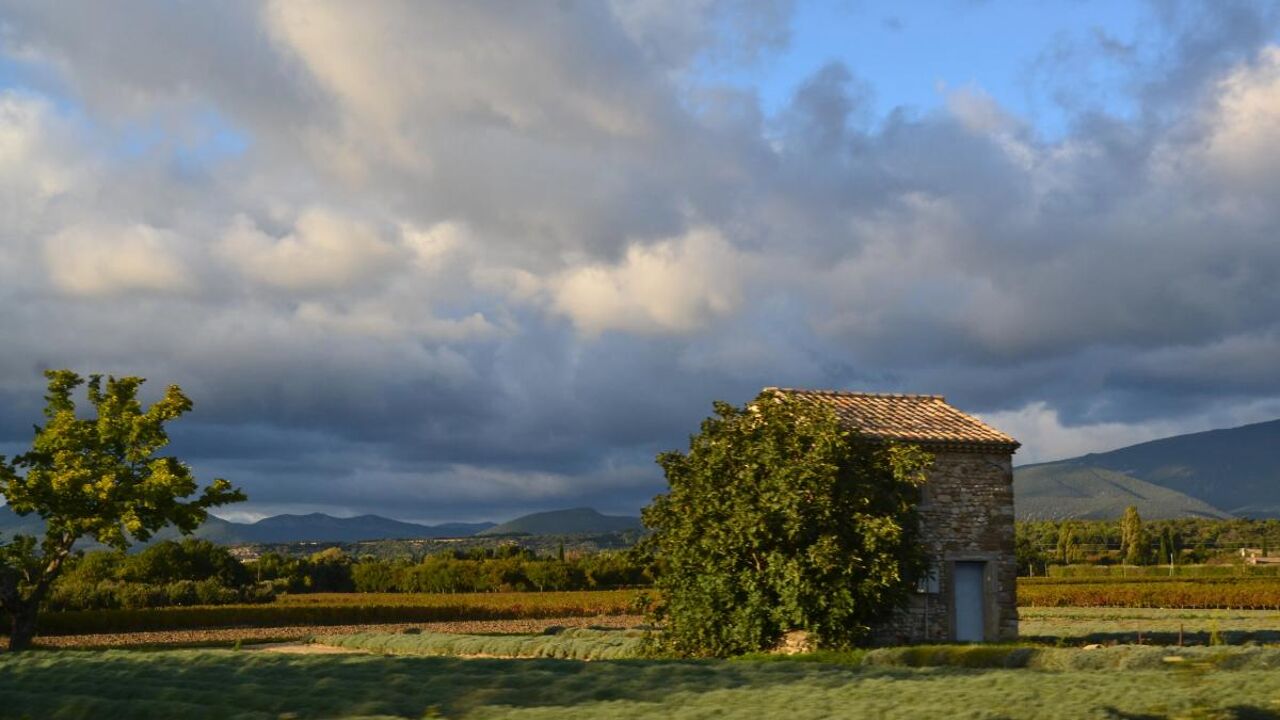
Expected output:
(34, 166)
(1244, 138)
(673, 286)
(99, 259)
(325, 251)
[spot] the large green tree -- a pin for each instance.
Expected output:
(98, 477)
(779, 518)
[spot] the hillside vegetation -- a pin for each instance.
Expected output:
(1063, 491)
(1234, 471)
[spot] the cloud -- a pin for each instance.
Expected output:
(324, 251)
(93, 260)
(675, 285)
(454, 260)
(1245, 125)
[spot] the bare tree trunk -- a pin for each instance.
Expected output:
(23, 629)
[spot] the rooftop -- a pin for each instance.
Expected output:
(917, 419)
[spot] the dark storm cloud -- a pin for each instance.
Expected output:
(465, 261)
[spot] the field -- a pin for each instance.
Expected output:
(346, 609)
(195, 684)
(1242, 593)
(453, 656)
(1081, 625)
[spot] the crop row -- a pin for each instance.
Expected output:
(345, 609)
(1154, 572)
(1253, 594)
(1025, 582)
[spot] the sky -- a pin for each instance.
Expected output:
(461, 261)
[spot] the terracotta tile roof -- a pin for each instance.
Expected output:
(919, 419)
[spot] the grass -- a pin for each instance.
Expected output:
(569, 644)
(1154, 625)
(196, 684)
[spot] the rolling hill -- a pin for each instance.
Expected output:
(1234, 471)
(576, 521)
(1058, 491)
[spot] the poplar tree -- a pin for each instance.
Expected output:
(1133, 541)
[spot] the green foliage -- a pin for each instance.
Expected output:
(191, 572)
(778, 518)
(99, 477)
(1188, 540)
(500, 572)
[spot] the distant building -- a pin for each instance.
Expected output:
(966, 514)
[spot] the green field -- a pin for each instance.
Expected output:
(435, 674)
(196, 684)
(1079, 625)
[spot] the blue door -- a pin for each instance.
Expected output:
(970, 601)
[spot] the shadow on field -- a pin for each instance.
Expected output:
(213, 684)
(1198, 637)
(1237, 712)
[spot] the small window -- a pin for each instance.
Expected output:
(928, 583)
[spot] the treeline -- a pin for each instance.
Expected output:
(1132, 541)
(198, 572)
(191, 572)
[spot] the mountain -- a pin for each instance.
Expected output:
(577, 521)
(316, 527)
(1236, 471)
(1061, 490)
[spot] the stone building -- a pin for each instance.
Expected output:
(966, 514)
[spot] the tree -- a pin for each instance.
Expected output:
(779, 518)
(1068, 546)
(99, 478)
(1133, 540)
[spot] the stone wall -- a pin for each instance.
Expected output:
(966, 513)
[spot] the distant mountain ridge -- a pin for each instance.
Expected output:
(1217, 473)
(319, 527)
(315, 527)
(574, 521)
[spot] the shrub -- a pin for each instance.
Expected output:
(778, 518)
